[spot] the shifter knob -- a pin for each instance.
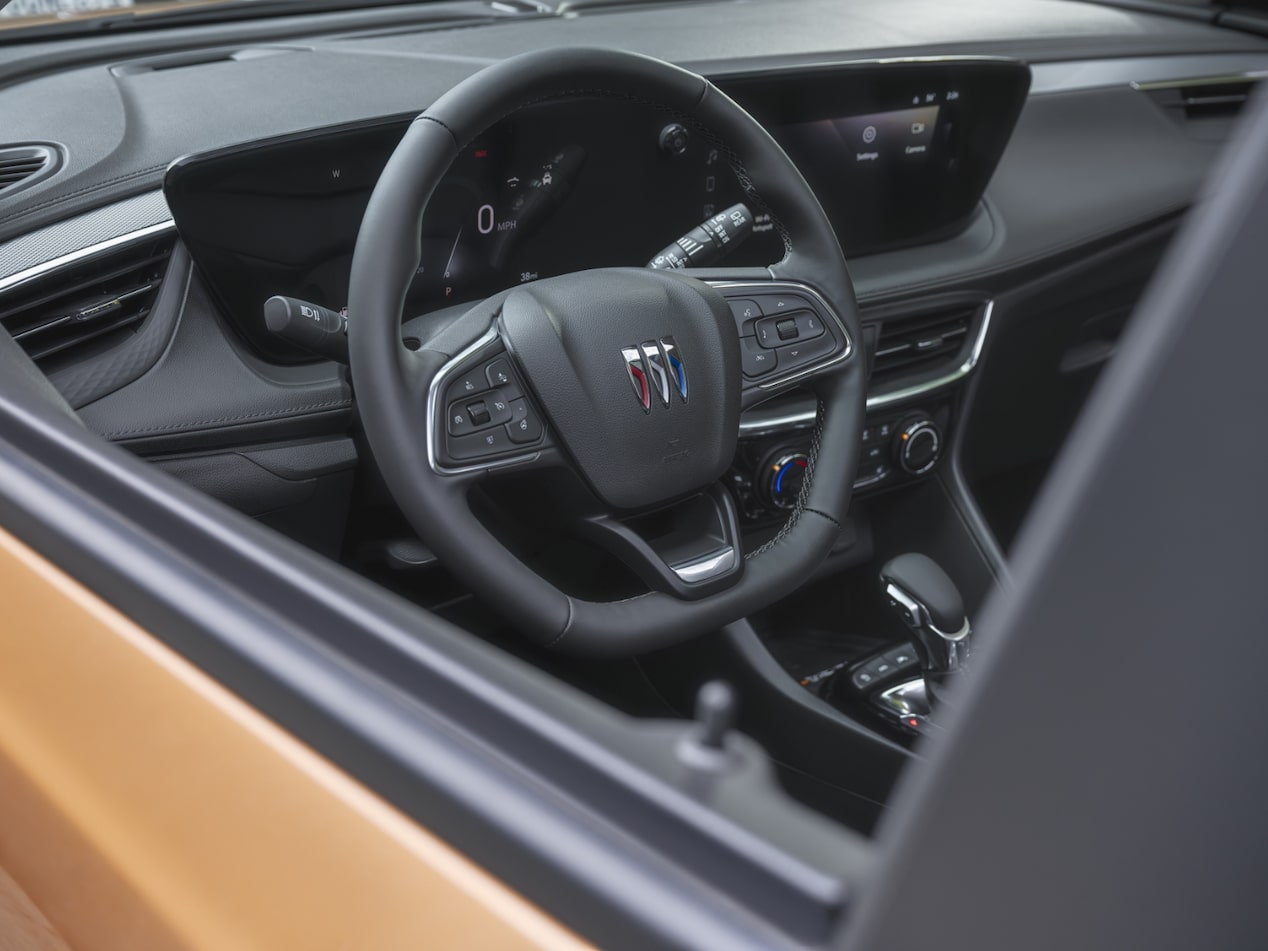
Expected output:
(931, 607)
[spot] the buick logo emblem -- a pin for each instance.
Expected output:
(656, 367)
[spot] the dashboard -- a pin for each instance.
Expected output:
(900, 153)
(1001, 183)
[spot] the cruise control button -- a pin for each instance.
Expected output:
(525, 425)
(487, 443)
(468, 384)
(800, 354)
(478, 413)
(459, 420)
(498, 372)
(499, 406)
(756, 359)
(786, 327)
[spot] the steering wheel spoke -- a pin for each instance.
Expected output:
(789, 333)
(482, 417)
(689, 549)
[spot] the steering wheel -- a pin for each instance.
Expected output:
(634, 379)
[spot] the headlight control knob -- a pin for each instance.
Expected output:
(918, 446)
(781, 477)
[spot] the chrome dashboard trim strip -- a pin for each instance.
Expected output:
(760, 426)
(83, 254)
(1160, 84)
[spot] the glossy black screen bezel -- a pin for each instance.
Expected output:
(923, 203)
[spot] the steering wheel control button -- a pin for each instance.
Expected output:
(776, 305)
(490, 442)
(525, 426)
(478, 412)
(498, 372)
(786, 327)
(800, 354)
(745, 313)
(467, 384)
(809, 325)
(756, 360)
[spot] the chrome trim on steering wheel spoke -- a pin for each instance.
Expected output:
(710, 566)
(759, 425)
(794, 287)
(434, 432)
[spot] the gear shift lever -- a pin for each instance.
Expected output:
(931, 607)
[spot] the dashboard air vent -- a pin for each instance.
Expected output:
(920, 343)
(23, 165)
(1197, 102)
(99, 300)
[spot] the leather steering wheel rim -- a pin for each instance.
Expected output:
(391, 381)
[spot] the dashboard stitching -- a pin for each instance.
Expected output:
(289, 411)
(82, 191)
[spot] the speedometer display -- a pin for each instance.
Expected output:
(554, 188)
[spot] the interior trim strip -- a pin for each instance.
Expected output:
(759, 425)
(83, 254)
(710, 566)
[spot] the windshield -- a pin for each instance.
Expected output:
(23, 17)
(16, 13)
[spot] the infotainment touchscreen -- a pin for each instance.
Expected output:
(898, 152)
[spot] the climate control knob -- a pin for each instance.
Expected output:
(781, 477)
(918, 446)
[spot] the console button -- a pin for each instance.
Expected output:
(876, 669)
(801, 354)
(901, 656)
(882, 666)
(525, 425)
(477, 445)
(756, 359)
(863, 677)
(872, 455)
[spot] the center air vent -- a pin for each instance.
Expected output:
(923, 343)
(1196, 102)
(63, 314)
(23, 165)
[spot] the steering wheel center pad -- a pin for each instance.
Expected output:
(639, 374)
